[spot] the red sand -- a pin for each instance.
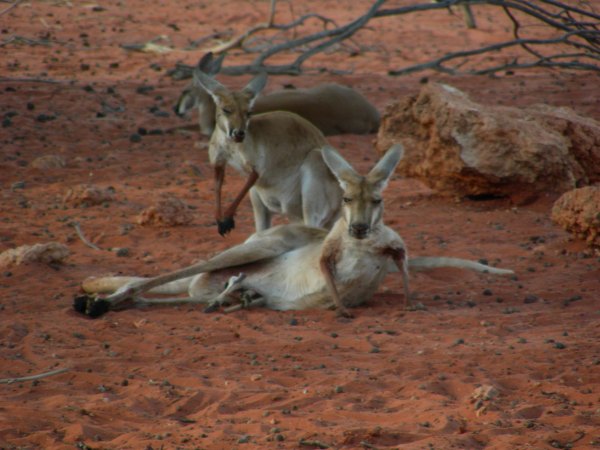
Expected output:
(174, 377)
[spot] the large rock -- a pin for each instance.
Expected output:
(459, 147)
(578, 212)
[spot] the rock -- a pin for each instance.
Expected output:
(459, 147)
(485, 392)
(49, 162)
(578, 212)
(168, 211)
(51, 252)
(88, 195)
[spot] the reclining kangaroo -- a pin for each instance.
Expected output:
(279, 151)
(294, 266)
(332, 108)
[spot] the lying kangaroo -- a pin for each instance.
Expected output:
(294, 266)
(332, 108)
(279, 151)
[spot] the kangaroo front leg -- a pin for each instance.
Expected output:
(219, 178)
(227, 223)
(400, 257)
(327, 271)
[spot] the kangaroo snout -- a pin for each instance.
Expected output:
(237, 135)
(359, 230)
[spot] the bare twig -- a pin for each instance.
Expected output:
(196, 43)
(83, 238)
(544, 61)
(5, 10)
(23, 40)
(578, 28)
(33, 80)
(33, 377)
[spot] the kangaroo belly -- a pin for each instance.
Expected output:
(287, 281)
(282, 198)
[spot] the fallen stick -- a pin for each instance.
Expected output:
(4, 11)
(33, 80)
(33, 377)
(83, 238)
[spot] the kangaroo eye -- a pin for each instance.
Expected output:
(376, 201)
(347, 200)
(226, 111)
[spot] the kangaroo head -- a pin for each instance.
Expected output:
(196, 96)
(233, 108)
(362, 206)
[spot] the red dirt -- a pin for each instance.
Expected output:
(174, 377)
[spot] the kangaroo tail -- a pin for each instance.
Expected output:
(427, 262)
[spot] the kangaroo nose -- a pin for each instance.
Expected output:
(359, 230)
(238, 135)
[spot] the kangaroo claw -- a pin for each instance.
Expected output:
(225, 225)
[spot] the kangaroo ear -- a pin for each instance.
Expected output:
(209, 64)
(383, 170)
(342, 170)
(212, 86)
(187, 100)
(256, 84)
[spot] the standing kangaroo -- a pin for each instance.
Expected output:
(294, 266)
(279, 151)
(332, 108)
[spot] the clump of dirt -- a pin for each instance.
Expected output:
(48, 253)
(168, 211)
(87, 195)
(49, 162)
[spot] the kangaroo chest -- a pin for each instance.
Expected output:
(358, 274)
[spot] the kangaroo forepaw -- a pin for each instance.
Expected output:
(212, 308)
(225, 225)
(343, 312)
(90, 306)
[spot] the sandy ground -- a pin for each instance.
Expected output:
(174, 377)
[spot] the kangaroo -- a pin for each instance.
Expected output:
(332, 108)
(279, 151)
(294, 267)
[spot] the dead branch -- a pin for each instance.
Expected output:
(543, 61)
(7, 9)
(23, 40)
(33, 377)
(83, 238)
(576, 46)
(33, 80)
